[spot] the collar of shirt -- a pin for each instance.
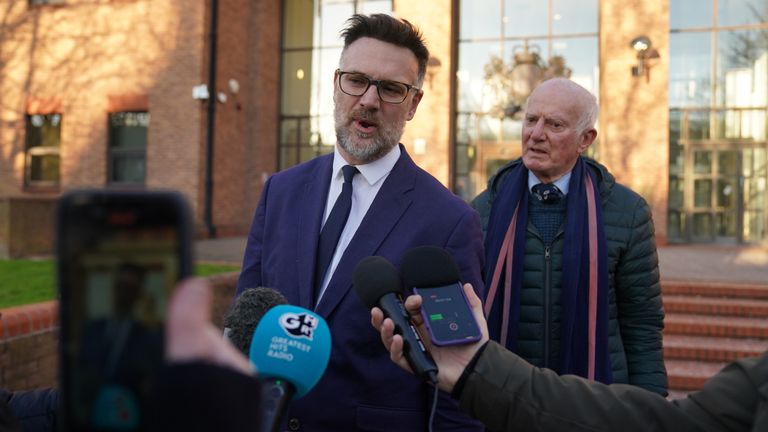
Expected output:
(365, 187)
(561, 183)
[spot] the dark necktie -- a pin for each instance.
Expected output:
(334, 225)
(547, 193)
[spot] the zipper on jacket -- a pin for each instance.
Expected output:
(547, 289)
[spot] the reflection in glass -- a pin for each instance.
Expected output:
(742, 68)
(676, 220)
(522, 17)
(676, 193)
(698, 125)
(690, 63)
(726, 193)
(702, 225)
(727, 163)
(574, 16)
(479, 19)
(702, 162)
(297, 24)
(702, 193)
(726, 224)
(741, 12)
(690, 14)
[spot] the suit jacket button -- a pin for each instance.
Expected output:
(294, 424)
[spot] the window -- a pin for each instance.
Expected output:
(126, 157)
(311, 50)
(505, 47)
(43, 139)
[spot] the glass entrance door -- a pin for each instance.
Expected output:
(726, 194)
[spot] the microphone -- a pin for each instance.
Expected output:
(377, 283)
(428, 267)
(248, 310)
(290, 349)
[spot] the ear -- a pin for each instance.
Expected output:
(414, 104)
(587, 138)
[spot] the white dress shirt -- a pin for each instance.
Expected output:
(365, 186)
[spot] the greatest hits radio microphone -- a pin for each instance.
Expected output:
(378, 283)
(249, 308)
(290, 349)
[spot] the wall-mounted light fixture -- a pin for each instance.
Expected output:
(643, 46)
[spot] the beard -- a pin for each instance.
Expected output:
(359, 145)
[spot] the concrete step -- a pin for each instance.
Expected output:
(686, 376)
(718, 326)
(715, 289)
(711, 349)
(715, 306)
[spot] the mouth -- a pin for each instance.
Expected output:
(364, 126)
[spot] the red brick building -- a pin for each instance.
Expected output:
(99, 93)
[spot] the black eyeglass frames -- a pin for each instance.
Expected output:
(356, 84)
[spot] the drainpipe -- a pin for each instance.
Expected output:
(208, 198)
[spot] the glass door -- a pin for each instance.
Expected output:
(726, 194)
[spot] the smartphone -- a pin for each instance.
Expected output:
(119, 255)
(447, 315)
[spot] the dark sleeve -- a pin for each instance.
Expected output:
(638, 297)
(250, 276)
(35, 410)
(508, 394)
(7, 420)
(204, 397)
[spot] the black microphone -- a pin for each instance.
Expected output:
(429, 266)
(245, 314)
(377, 283)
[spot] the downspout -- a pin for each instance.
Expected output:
(208, 198)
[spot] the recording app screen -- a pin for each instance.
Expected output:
(448, 315)
(118, 292)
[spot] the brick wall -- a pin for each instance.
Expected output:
(29, 338)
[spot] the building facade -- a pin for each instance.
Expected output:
(99, 93)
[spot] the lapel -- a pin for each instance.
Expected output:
(312, 198)
(385, 212)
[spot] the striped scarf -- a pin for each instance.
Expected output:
(584, 302)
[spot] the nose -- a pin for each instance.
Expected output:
(537, 131)
(371, 97)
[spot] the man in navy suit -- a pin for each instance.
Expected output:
(395, 206)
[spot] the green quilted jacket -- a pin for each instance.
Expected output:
(635, 309)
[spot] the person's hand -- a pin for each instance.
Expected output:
(190, 335)
(451, 360)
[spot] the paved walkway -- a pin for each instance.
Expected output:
(712, 263)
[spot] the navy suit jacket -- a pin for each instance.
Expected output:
(361, 388)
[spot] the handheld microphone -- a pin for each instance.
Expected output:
(432, 273)
(378, 283)
(290, 349)
(248, 310)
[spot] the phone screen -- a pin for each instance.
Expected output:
(119, 255)
(447, 315)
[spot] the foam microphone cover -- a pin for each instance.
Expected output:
(249, 308)
(428, 266)
(374, 277)
(293, 344)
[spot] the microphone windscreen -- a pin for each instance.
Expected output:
(428, 266)
(293, 344)
(375, 276)
(249, 308)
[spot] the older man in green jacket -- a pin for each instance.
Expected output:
(572, 279)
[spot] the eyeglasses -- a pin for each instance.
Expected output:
(356, 84)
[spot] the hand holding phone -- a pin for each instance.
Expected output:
(120, 254)
(432, 273)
